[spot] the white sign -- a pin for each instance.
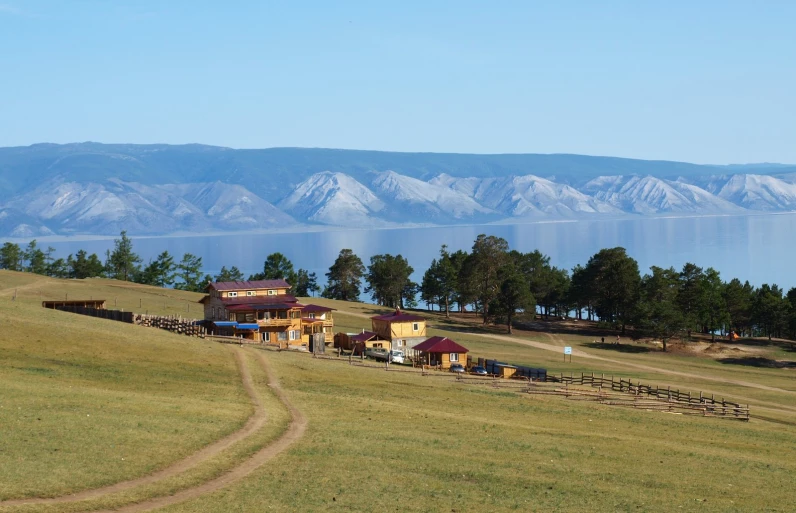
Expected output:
(567, 350)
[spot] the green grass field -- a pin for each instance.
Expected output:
(87, 403)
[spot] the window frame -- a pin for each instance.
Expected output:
(454, 357)
(251, 293)
(232, 293)
(415, 326)
(272, 292)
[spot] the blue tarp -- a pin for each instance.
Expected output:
(248, 326)
(225, 324)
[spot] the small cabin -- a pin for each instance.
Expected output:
(440, 352)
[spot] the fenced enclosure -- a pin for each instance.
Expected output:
(620, 392)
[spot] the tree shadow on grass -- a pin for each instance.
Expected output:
(759, 361)
(621, 348)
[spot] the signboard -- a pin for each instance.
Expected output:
(567, 350)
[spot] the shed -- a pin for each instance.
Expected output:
(505, 370)
(440, 352)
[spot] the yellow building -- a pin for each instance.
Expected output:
(264, 311)
(403, 330)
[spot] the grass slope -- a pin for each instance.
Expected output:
(389, 441)
(87, 402)
(80, 394)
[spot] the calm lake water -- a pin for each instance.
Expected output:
(757, 248)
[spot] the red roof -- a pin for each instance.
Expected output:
(315, 308)
(398, 316)
(249, 285)
(363, 337)
(440, 345)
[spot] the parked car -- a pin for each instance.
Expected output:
(377, 354)
(396, 356)
(478, 371)
(457, 367)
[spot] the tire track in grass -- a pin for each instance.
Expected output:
(255, 422)
(295, 430)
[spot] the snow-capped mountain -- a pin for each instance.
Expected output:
(425, 201)
(115, 205)
(14, 223)
(230, 206)
(754, 192)
(527, 196)
(377, 199)
(650, 195)
(335, 199)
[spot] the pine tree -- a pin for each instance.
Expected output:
(189, 271)
(122, 263)
(344, 277)
(11, 257)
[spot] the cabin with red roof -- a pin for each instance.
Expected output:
(403, 330)
(264, 311)
(440, 352)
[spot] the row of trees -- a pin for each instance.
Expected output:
(500, 284)
(495, 281)
(122, 263)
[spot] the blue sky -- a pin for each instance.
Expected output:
(707, 81)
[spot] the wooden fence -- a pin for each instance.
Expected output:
(174, 324)
(102, 313)
(621, 392)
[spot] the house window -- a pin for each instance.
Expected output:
(454, 357)
(401, 343)
(294, 334)
(415, 326)
(281, 335)
(249, 317)
(232, 294)
(311, 316)
(271, 292)
(251, 293)
(233, 317)
(260, 315)
(213, 313)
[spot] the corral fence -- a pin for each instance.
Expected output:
(102, 313)
(621, 392)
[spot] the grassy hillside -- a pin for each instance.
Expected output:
(80, 394)
(88, 402)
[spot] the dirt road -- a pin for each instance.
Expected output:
(253, 424)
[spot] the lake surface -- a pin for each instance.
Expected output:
(758, 248)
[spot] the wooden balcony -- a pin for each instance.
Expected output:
(275, 322)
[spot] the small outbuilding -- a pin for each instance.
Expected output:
(440, 352)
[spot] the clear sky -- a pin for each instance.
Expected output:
(700, 81)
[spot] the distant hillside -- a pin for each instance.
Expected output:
(92, 188)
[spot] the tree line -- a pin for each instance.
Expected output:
(122, 263)
(491, 280)
(499, 284)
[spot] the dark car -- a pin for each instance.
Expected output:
(457, 367)
(478, 370)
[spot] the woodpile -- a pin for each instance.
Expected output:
(172, 323)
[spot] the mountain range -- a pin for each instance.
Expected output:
(99, 189)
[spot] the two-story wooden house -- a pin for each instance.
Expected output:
(403, 330)
(264, 311)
